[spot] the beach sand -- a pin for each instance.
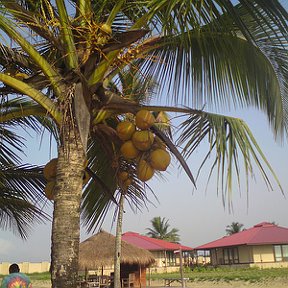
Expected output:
(276, 283)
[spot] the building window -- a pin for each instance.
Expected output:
(281, 253)
(231, 255)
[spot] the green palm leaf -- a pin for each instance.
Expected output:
(223, 71)
(23, 113)
(97, 195)
(21, 198)
(21, 186)
(104, 187)
(19, 215)
(230, 142)
(161, 230)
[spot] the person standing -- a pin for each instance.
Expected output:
(16, 279)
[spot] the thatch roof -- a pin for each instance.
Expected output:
(98, 251)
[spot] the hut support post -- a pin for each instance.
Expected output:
(149, 277)
(140, 276)
(181, 268)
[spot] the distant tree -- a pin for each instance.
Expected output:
(160, 230)
(233, 228)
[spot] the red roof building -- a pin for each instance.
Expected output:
(265, 244)
(152, 244)
(166, 253)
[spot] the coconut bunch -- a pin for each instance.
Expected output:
(124, 179)
(50, 171)
(142, 146)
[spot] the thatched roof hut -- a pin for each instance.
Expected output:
(98, 251)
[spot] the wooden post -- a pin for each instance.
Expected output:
(140, 276)
(149, 282)
(181, 268)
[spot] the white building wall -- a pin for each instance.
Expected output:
(26, 267)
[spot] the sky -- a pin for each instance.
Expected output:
(199, 214)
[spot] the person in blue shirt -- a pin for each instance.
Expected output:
(16, 279)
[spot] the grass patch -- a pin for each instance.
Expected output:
(228, 274)
(40, 276)
(36, 276)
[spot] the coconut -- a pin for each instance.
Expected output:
(49, 190)
(124, 180)
(158, 144)
(144, 119)
(50, 169)
(160, 159)
(123, 175)
(127, 183)
(143, 140)
(125, 130)
(144, 170)
(128, 150)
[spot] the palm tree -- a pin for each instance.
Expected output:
(21, 186)
(62, 57)
(234, 227)
(161, 230)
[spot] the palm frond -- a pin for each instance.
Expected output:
(175, 152)
(10, 145)
(134, 86)
(137, 193)
(19, 215)
(67, 35)
(27, 180)
(12, 31)
(11, 57)
(163, 123)
(37, 19)
(230, 142)
(175, 16)
(224, 71)
(216, 64)
(161, 230)
(23, 113)
(96, 201)
(21, 197)
(23, 88)
(103, 189)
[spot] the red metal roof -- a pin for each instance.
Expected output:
(152, 243)
(260, 234)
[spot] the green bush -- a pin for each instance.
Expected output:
(40, 276)
(227, 274)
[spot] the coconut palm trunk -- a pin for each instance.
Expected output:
(66, 218)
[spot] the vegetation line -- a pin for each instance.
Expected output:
(227, 274)
(206, 274)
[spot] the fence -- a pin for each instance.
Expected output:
(26, 267)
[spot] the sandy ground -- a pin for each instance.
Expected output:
(277, 283)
